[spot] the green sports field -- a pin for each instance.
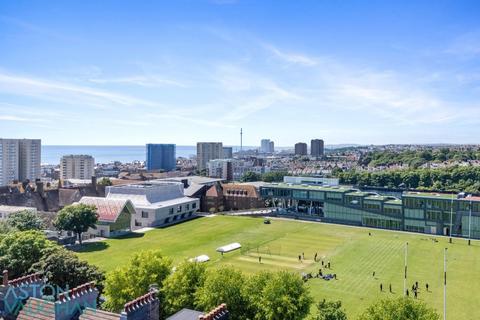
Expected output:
(353, 254)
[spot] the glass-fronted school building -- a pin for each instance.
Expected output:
(432, 213)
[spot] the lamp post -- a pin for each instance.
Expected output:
(445, 284)
(470, 224)
(405, 274)
(451, 219)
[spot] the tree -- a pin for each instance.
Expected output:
(65, 270)
(274, 176)
(285, 297)
(223, 285)
(180, 287)
(77, 218)
(250, 176)
(105, 182)
(25, 220)
(330, 310)
(253, 292)
(134, 279)
(399, 309)
(4, 227)
(19, 250)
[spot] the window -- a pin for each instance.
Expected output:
(167, 220)
(145, 214)
(194, 205)
(179, 209)
(175, 218)
(187, 206)
(170, 211)
(302, 194)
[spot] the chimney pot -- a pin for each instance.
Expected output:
(5, 277)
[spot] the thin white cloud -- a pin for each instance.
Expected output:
(295, 58)
(43, 88)
(139, 80)
(19, 119)
(466, 45)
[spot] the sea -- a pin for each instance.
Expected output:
(106, 154)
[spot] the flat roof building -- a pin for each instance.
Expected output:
(19, 160)
(431, 213)
(161, 157)
(77, 166)
(301, 149)
(317, 148)
(207, 151)
(156, 203)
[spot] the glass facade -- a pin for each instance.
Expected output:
(161, 157)
(415, 212)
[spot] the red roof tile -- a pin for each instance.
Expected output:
(108, 209)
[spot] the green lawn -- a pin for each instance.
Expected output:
(354, 256)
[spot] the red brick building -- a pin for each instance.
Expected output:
(233, 196)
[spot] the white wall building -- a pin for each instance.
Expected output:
(5, 211)
(311, 180)
(207, 151)
(19, 160)
(267, 146)
(157, 203)
(77, 167)
(30, 157)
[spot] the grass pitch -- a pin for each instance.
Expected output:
(353, 254)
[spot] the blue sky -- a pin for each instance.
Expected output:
(131, 72)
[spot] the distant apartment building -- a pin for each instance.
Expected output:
(301, 149)
(227, 152)
(207, 151)
(19, 160)
(30, 157)
(267, 146)
(221, 168)
(77, 166)
(317, 148)
(161, 157)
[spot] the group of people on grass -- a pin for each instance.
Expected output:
(415, 288)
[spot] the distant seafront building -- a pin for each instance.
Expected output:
(161, 157)
(207, 151)
(301, 149)
(267, 146)
(317, 148)
(78, 166)
(19, 160)
(227, 152)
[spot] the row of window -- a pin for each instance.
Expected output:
(178, 217)
(172, 209)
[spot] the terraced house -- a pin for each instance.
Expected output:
(432, 213)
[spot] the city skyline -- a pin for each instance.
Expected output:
(355, 73)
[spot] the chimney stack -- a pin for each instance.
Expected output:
(5, 278)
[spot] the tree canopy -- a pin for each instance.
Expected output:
(399, 309)
(25, 220)
(330, 310)
(126, 283)
(180, 287)
(20, 250)
(454, 179)
(64, 269)
(77, 218)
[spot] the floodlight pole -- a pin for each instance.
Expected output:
(470, 224)
(451, 219)
(445, 284)
(405, 274)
